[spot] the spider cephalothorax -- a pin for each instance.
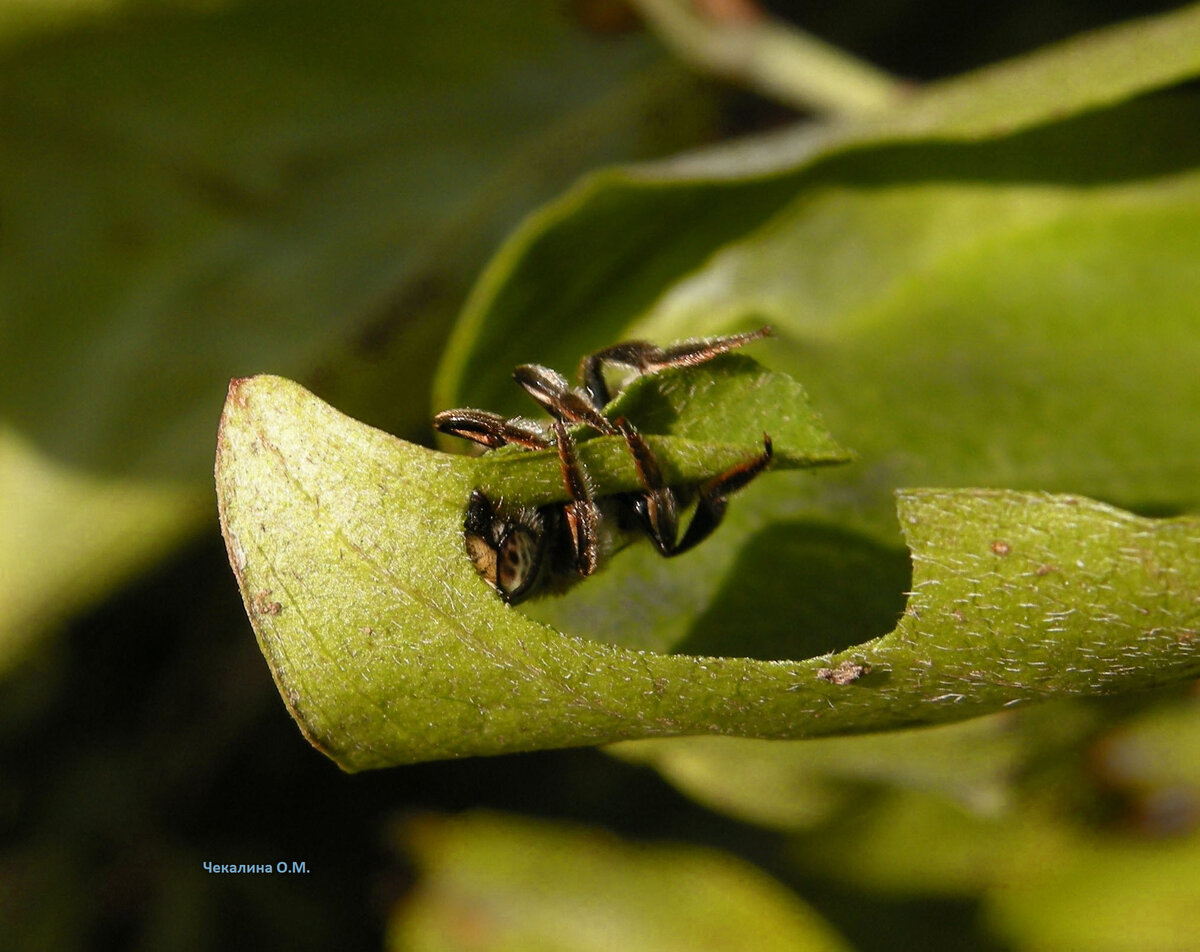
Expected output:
(520, 550)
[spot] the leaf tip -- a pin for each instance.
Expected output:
(236, 395)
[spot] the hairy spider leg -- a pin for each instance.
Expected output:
(491, 429)
(646, 358)
(562, 401)
(712, 497)
(655, 507)
(582, 514)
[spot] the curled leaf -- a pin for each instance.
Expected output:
(388, 648)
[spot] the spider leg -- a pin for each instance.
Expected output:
(713, 497)
(582, 514)
(562, 401)
(646, 358)
(656, 507)
(491, 429)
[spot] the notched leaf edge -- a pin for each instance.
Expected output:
(375, 680)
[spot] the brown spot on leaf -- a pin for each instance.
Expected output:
(263, 605)
(845, 673)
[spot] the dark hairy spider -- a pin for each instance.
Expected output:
(520, 550)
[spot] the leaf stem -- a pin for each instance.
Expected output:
(773, 58)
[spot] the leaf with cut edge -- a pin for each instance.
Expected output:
(388, 648)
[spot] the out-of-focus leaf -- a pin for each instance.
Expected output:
(1045, 880)
(388, 648)
(1084, 73)
(242, 188)
(193, 193)
(1107, 896)
(800, 784)
(499, 883)
(1131, 889)
(1155, 760)
(71, 534)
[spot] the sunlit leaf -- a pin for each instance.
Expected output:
(388, 648)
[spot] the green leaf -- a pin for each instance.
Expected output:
(1106, 896)
(264, 213)
(1086, 72)
(540, 886)
(388, 648)
(955, 285)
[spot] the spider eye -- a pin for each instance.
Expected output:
(516, 563)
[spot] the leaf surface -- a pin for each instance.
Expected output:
(388, 648)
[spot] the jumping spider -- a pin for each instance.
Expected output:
(521, 549)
